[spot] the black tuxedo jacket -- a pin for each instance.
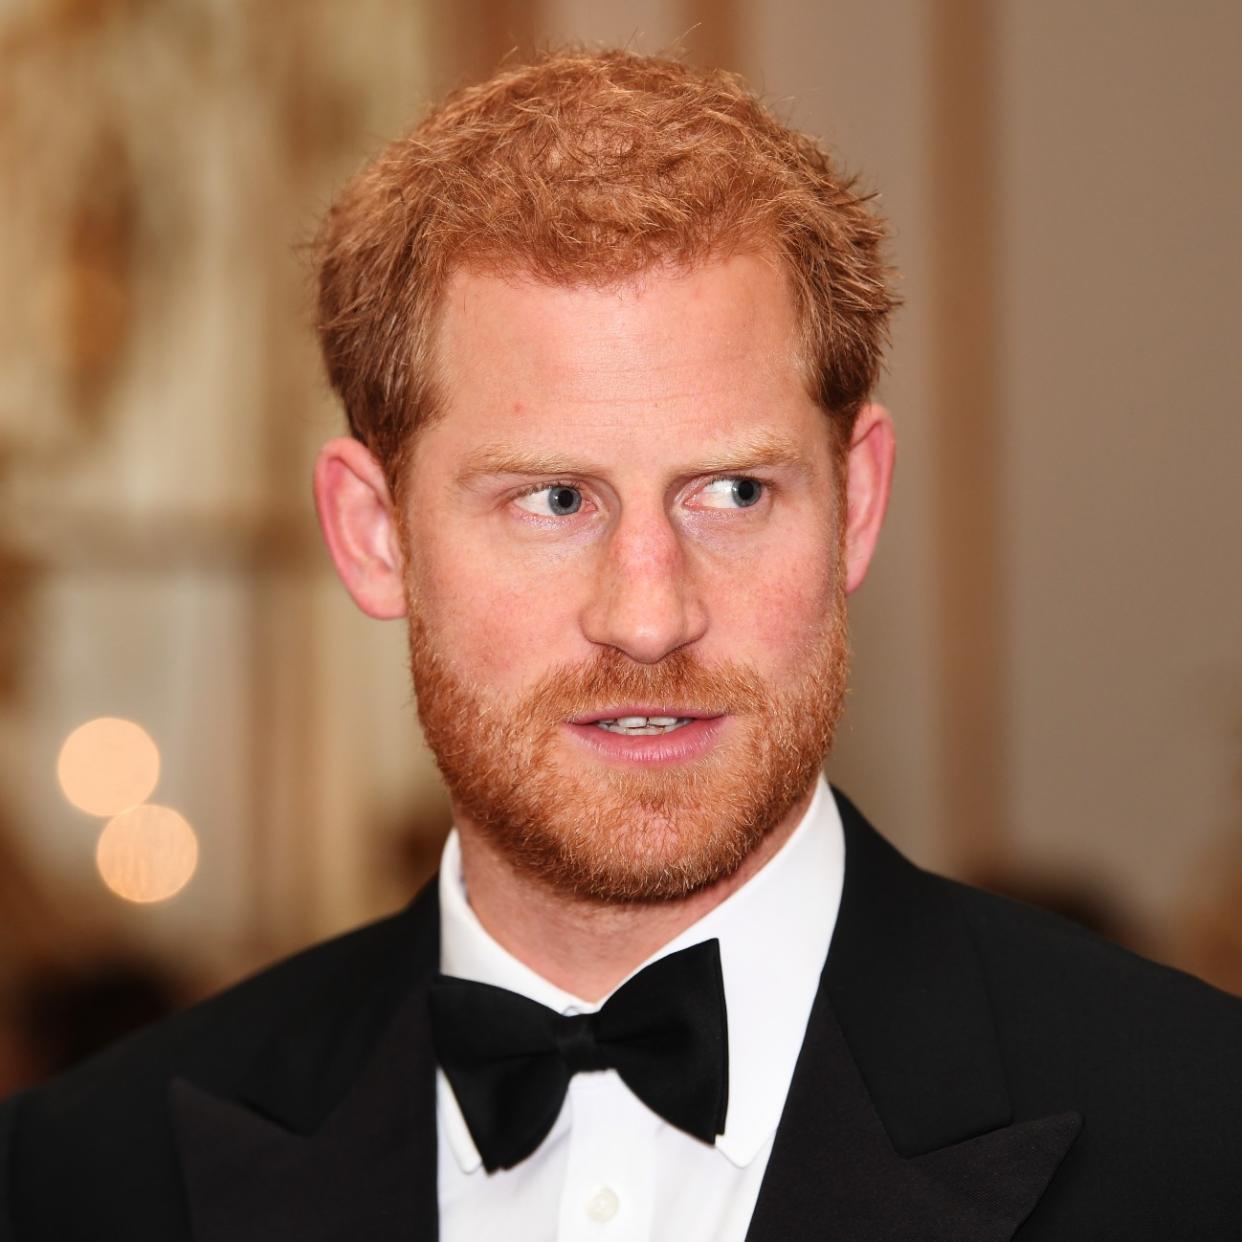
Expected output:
(973, 1071)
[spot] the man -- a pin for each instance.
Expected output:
(605, 332)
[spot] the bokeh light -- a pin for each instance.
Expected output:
(108, 764)
(147, 853)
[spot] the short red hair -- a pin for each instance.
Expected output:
(589, 168)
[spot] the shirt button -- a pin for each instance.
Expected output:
(602, 1205)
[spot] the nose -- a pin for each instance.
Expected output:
(644, 601)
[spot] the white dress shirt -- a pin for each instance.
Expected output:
(611, 1170)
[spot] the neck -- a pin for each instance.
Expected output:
(583, 946)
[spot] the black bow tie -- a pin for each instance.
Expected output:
(509, 1060)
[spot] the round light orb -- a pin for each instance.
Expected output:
(147, 853)
(108, 764)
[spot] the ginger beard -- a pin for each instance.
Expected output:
(596, 831)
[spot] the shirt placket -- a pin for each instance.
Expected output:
(609, 1177)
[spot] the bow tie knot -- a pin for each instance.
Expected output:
(576, 1041)
(509, 1060)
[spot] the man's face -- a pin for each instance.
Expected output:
(624, 573)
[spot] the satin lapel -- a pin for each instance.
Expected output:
(898, 1124)
(332, 1134)
(834, 1174)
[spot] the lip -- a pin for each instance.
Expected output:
(660, 750)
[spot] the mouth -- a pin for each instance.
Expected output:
(641, 722)
(647, 734)
(644, 726)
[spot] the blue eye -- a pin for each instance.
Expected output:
(559, 500)
(736, 493)
(564, 500)
(746, 492)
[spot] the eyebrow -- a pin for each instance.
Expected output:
(764, 449)
(508, 459)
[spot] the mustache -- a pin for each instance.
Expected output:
(611, 678)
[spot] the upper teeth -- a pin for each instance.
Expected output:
(644, 724)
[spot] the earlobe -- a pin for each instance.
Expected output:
(358, 524)
(869, 478)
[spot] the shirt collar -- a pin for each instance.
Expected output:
(774, 934)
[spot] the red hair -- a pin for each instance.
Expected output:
(589, 168)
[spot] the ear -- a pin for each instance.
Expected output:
(359, 527)
(869, 477)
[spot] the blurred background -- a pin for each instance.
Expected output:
(1048, 683)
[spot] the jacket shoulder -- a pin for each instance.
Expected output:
(1031, 956)
(1151, 1058)
(216, 1039)
(103, 1128)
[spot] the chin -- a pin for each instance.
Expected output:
(651, 837)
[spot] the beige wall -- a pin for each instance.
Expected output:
(1122, 369)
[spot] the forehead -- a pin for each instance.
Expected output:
(712, 351)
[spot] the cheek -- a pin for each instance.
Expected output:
(780, 608)
(498, 618)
